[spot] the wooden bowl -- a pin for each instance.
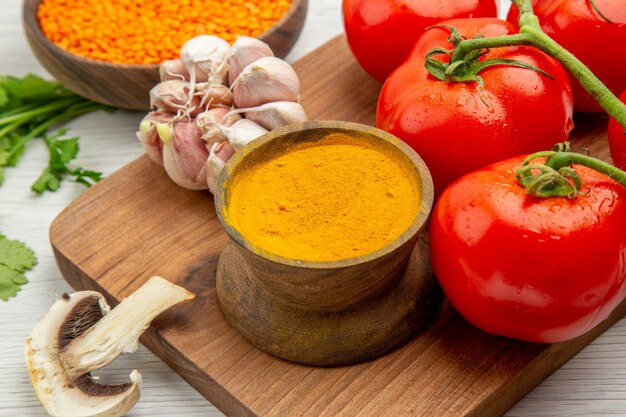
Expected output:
(326, 313)
(128, 86)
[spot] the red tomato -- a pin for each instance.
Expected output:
(536, 269)
(617, 141)
(381, 33)
(452, 129)
(600, 45)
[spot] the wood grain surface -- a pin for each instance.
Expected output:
(592, 383)
(127, 86)
(137, 223)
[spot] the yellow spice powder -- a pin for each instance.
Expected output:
(334, 199)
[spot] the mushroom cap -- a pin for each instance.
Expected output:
(61, 395)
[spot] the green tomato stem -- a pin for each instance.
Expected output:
(562, 159)
(587, 79)
(466, 46)
(532, 34)
(557, 177)
(529, 25)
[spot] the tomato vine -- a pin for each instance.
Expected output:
(531, 34)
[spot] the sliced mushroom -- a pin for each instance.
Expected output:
(79, 335)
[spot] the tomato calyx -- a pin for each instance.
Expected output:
(557, 177)
(465, 66)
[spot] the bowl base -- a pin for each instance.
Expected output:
(323, 338)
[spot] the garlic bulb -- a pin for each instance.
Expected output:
(265, 80)
(172, 96)
(174, 69)
(201, 122)
(219, 154)
(245, 51)
(205, 54)
(276, 114)
(184, 154)
(149, 137)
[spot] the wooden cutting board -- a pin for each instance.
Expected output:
(137, 223)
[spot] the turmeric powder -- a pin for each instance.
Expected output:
(150, 31)
(333, 199)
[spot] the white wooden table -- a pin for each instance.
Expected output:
(591, 384)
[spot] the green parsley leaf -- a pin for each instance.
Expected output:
(62, 152)
(85, 176)
(47, 181)
(8, 286)
(29, 106)
(4, 97)
(15, 255)
(29, 87)
(15, 259)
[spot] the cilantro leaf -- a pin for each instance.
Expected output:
(15, 255)
(4, 97)
(31, 86)
(62, 151)
(29, 106)
(85, 176)
(15, 259)
(8, 286)
(47, 181)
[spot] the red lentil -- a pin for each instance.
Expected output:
(150, 31)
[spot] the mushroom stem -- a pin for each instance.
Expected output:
(119, 330)
(78, 335)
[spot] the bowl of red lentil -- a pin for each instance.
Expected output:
(109, 50)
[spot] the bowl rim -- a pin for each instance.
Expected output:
(425, 184)
(31, 20)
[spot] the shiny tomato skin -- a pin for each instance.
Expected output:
(540, 270)
(617, 140)
(452, 129)
(600, 45)
(381, 33)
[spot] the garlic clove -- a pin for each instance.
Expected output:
(242, 132)
(245, 51)
(265, 80)
(174, 69)
(206, 54)
(184, 154)
(214, 95)
(221, 115)
(172, 96)
(149, 137)
(277, 114)
(208, 120)
(218, 156)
